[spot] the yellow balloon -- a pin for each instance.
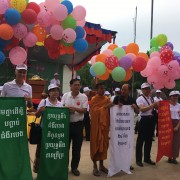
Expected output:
(19, 5)
(40, 43)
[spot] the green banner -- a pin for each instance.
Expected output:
(55, 144)
(14, 153)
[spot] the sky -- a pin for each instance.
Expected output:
(118, 15)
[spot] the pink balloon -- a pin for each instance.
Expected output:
(158, 85)
(60, 12)
(173, 74)
(173, 65)
(155, 54)
(93, 60)
(30, 40)
(20, 31)
(56, 32)
(152, 79)
(170, 84)
(42, 6)
(131, 55)
(44, 19)
(81, 23)
(163, 71)
(79, 13)
(4, 5)
(107, 52)
(147, 71)
(17, 55)
(51, 4)
(154, 62)
(69, 35)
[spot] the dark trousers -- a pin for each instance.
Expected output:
(145, 135)
(86, 122)
(76, 136)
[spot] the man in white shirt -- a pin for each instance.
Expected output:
(18, 87)
(117, 92)
(55, 80)
(77, 104)
(145, 126)
(158, 98)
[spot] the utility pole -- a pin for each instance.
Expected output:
(152, 8)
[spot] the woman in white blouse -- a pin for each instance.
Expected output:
(175, 116)
(51, 100)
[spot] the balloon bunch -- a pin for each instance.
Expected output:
(53, 23)
(163, 67)
(119, 62)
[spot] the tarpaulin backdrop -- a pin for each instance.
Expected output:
(14, 154)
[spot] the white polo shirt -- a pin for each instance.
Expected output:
(11, 89)
(46, 102)
(175, 111)
(156, 99)
(80, 101)
(55, 81)
(141, 101)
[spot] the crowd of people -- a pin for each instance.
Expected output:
(93, 113)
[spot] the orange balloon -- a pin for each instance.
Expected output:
(101, 58)
(40, 32)
(109, 70)
(143, 55)
(128, 75)
(105, 76)
(6, 32)
(132, 48)
(69, 50)
(112, 46)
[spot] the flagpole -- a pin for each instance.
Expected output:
(152, 8)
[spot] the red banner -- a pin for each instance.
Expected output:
(165, 131)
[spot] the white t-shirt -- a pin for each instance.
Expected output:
(141, 101)
(46, 102)
(112, 98)
(156, 99)
(11, 89)
(55, 81)
(175, 111)
(80, 101)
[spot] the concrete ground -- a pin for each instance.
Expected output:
(162, 171)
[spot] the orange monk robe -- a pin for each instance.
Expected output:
(100, 122)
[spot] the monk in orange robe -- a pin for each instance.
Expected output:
(100, 122)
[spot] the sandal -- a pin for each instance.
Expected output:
(96, 172)
(103, 169)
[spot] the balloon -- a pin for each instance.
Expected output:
(119, 52)
(111, 62)
(170, 84)
(20, 30)
(6, 32)
(92, 71)
(68, 5)
(69, 22)
(29, 16)
(128, 75)
(166, 56)
(69, 35)
(14, 42)
(80, 45)
(155, 54)
(147, 71)
(51, 44)
(51, 4)
(173, 65)
(44, 19)
(54, 54)
(112, 46)
(42, 6)
(17, 55)
(20, 5)
(164, 48)
(153, 49)
(2, 57)
(153, 42)
(34, 6)
(99, 68)
(56, 32)
(80, 32)
(125, 62)
(12, 16)
(105, 76)
(39, 32)
(170, 45)
(154, 62)
(3, 6)
(161, 39)
(143, 55)
(60, 12)
(118, 74)
(30, 40)
(81, 23)
(93, 60)
(124, 47)
(132, 48)
(131, 56)
(101, 58)
(152, 79)
(163, 71)
(107, 52)
(79, 13)
(139, 64)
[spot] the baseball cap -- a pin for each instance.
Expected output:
(107, 93)
(56, 74)
(22, 66)
(174, 93)
(158, 91)
(145, 85)
(117, 89)
(52, 86)
(85, 89)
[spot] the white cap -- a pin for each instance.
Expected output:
(78, 77)
(106, 93)
(52, 86)
(56, 74)
(22, 66)
(1, 87)
(158, 91)
(85, 89)
(117, 89)
(145, 85)
(173, 93)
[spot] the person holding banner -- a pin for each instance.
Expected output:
(77, 104)
(18, 87)
(100, 122)
(175, 116)
(146, 125)
(52, 101)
